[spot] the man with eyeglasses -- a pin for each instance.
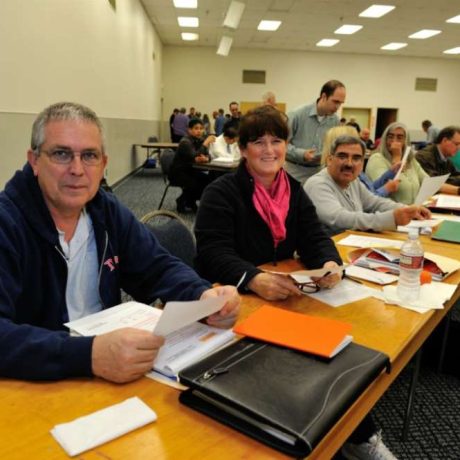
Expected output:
(435, 158)
(66, 250)
(344, 203)
(307, 126)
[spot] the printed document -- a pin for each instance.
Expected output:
(186, 340)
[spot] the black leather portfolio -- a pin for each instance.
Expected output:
(284, 398)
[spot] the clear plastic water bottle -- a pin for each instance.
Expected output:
(410, 267)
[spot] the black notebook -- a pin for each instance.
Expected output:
(281, 397)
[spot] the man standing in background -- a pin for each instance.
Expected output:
(431, 131)
(307, 125)
(180, 125)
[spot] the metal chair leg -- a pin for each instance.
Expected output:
(410, 400)
(163, 197)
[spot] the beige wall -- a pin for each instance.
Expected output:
(84, 51)
(296, 78)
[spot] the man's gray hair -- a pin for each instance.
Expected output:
(347, 140)
(62, 111)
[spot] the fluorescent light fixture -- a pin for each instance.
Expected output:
(234, 13)
(455, 20)
(224, 45)
(453, 51)
(328, 42)
(348, 29)
(393, 46)
(268, 25)
(425, 33)
(376, 11)
(187, 21)
(185, 3)
(189, 37)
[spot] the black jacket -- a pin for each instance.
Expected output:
(431, 162)
(233, 239)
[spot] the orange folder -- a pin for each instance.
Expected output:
(313, 334)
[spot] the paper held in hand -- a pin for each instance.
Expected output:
(186, 340)
(403, 163)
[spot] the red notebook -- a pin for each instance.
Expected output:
(313, 334)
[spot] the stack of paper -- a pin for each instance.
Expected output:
(432, 296)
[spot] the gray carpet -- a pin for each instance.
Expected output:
(435, 427)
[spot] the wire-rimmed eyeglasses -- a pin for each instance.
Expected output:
(66, 156)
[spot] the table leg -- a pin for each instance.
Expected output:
(410, 400)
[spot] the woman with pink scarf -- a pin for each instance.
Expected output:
(260, 214)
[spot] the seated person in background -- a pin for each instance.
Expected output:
(259, 215)
(343, 202)
(355, 124)
(430, 130)
(395, 139)
(365, 136)
(226, 145)
(384, 185)
(67, 248)
(192, 148)
(436, 159)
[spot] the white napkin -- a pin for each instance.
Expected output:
(432, 296)
(102, 426)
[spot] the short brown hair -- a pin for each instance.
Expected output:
(262, 120)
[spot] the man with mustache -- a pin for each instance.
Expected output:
(343, 202)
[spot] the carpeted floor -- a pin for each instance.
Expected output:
(435, 427)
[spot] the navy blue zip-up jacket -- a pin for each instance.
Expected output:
(34, 343)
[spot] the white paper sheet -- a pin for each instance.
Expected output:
(102, 426)
(360, 241)
(448, 201)
(432, 296)
(403, 162)
(370, 275)
(346, 291)
(429, 187)
(179, 314)
(127, 314)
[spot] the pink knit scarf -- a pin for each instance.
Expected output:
(273, 204)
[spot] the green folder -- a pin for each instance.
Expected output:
(448, 231)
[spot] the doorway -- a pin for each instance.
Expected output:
(384, 118)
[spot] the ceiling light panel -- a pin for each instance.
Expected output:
(393, 46)
(186, 3)
(234, 13)
(453, 51)
(425, 33)
(455, 19)
(348, 29)
(189, 37)
(327, 42)
(376, 11)
(187, 21)
(268, 25)
(225, 45)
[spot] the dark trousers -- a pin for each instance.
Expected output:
(192, 181)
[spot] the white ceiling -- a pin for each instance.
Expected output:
(305, 22)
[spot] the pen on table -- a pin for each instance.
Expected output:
(240, 282)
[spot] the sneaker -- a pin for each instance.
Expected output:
(374, 449)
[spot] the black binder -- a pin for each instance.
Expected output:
(281, 397)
